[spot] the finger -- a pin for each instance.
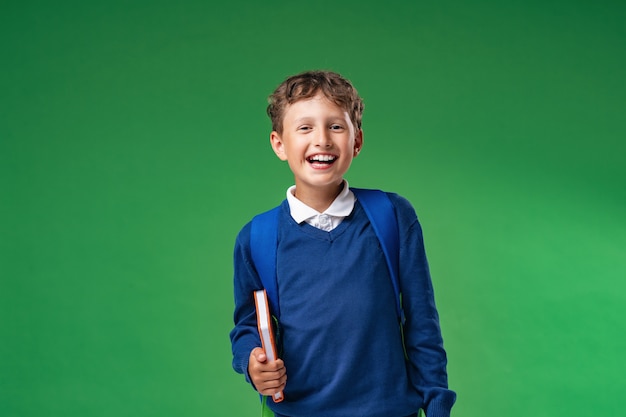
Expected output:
(259, 355)
(272, 387)
(282, 381)
(274, 366)
(270, 376)
(276, 381)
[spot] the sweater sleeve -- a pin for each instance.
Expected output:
(423, 340)
(245, 336)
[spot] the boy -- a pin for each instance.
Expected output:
(342, 351)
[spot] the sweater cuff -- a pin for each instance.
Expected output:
(243, 362)
(439, 408)
(242, 358)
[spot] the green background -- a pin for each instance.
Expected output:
(134, 146)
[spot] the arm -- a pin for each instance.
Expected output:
(424, 344)
(248, 357)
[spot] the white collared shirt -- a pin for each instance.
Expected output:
(340, 208)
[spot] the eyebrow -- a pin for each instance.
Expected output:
(331, 119)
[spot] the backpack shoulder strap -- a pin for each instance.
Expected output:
(382, 216)
(263, 244)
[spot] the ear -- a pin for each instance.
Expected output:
(358, 142)
(278, 146)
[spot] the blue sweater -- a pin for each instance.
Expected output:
(341, 341)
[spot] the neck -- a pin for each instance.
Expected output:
(319, 198)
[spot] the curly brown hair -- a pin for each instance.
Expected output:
(306, 85)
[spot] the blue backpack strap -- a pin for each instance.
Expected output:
(382, 216)
(263, 244)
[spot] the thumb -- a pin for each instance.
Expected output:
(259, 355)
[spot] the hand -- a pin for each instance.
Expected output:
(268, 377)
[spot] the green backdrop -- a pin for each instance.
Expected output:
(134, 146)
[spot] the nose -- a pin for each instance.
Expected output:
(323, 139)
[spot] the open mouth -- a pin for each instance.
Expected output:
(322, 159)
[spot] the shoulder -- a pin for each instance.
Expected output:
(402, 206)
(405, 212)
(266, 219)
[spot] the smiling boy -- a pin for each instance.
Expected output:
(318, 140)
(343, 354)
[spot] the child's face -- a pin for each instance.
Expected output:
(318, 141)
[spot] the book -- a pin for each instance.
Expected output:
(266, 331)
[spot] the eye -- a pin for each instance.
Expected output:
(336, 127)
(304, 128)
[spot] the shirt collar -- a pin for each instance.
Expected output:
(342, 206)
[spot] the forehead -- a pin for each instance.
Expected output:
(317, 105)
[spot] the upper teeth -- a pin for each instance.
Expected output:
(322, 158)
